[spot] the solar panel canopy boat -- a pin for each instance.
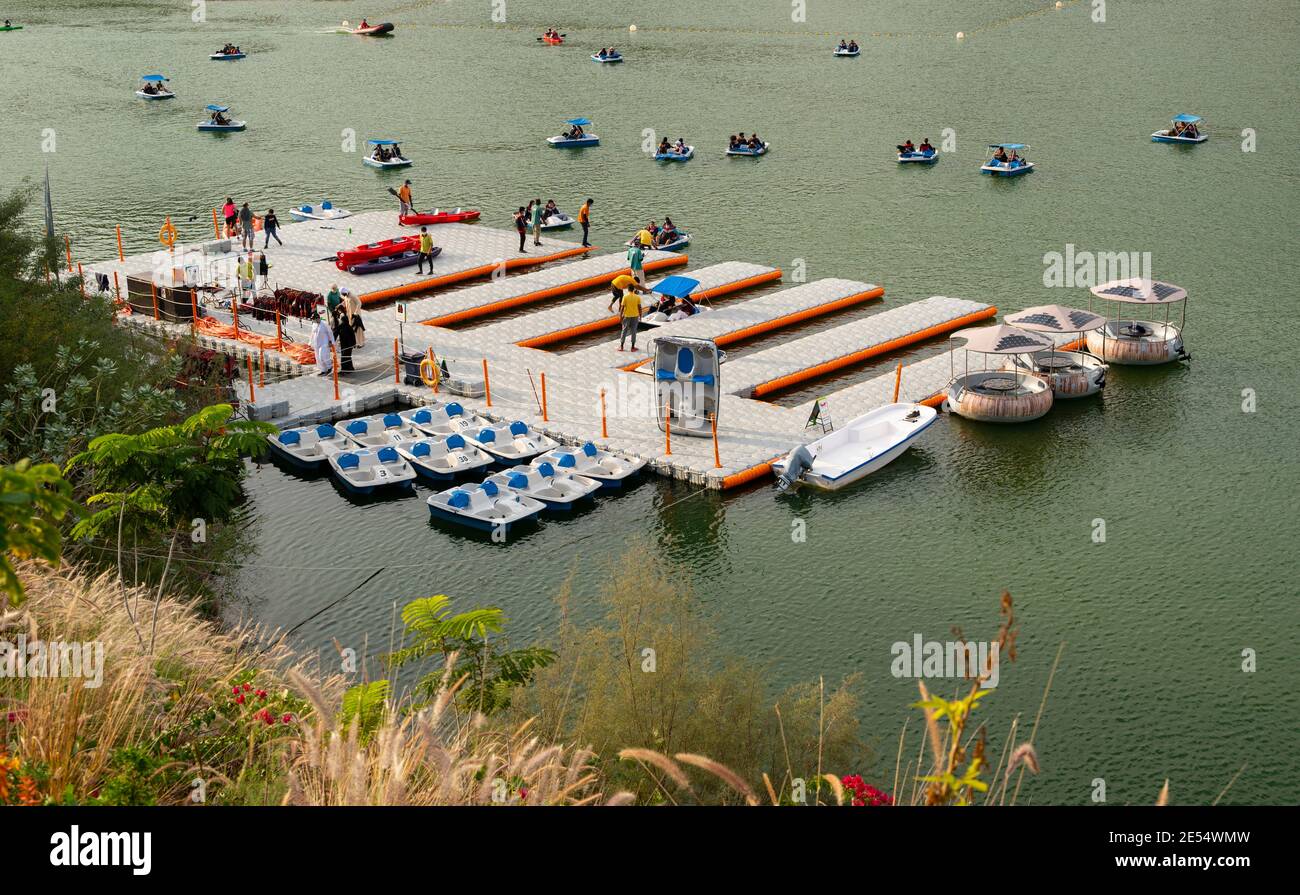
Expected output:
(999, 395)
(1140, 342)
(1072, 374)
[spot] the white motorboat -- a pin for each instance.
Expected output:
(864, 446)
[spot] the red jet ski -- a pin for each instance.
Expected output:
(456, 216)
(395, 246)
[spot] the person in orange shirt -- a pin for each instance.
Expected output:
(584, 218)
(404, 196)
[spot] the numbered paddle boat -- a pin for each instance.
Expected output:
(575, 137)
(324, 212)
(1183, 128)
(367, 30)
(511, 443)
(590, 462)
(673, 156)
(217, 120)
(1071, 374)
(865, 445)
(397, 261)
(153, 88)
(752, 152)
(607, 58)
(1142, 342)
(557, 490)
(443, 458)
(308, 447)
(486, 507)
(438, 216)
(385, 154)
(1013, 165)
(363, 470)
(227, 57)
(379, 429)
(443, 420)
(998, 395)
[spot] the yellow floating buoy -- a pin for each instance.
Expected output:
(631, 27)
(1060, 5)
(961, 35)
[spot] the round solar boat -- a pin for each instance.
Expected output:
(999, 395)
(1124, 340)
(1070, 373)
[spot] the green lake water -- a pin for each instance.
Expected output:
(1199, 498)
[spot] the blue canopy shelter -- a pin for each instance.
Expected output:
(676, 286)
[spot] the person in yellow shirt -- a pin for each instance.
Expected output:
(584, 218)
(645, 237)
(627, 294)
(426, 251)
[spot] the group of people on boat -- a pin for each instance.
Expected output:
(1002, 157)
(675, 308)
(1183, 129)
(679, 147)
(153, 88)
(653, 236)
(220, 118)
(908, 148)
(849, 46)
(608, 53)
(388, 153)
(752, 142)
(230, 50)
(575, 133)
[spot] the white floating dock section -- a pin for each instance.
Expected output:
(306, 260)
(739, 320)
(782, 366)
(576, 318)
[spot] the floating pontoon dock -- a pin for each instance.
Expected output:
(585, 395)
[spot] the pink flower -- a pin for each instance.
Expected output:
(240, 699)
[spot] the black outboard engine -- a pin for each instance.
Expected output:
(796, 462)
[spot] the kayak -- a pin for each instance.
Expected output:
(369, 252)
(390, 262)
(762, 150)
(455, 216)
(676, 156)
(370, 30)
(11, 27)
(223, 57)
(326, 212)
(553, 41)
(596, 57)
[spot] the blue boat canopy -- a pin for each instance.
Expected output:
(676, 287)
(382, 142)
(154, 79)
(1016, 146)
(1187, 119)
(580, 122)
(212, 107)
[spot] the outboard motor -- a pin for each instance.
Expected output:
(796, 463)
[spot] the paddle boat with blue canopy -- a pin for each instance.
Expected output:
(308, 447)
(323, 212)
(511, 443)
(675, 287)
(385, 154)
(576, 137)
(609, 469)
(444, 458)
(217, 120)
(558, 489)
(379, 429)
(1007, 160)
(1183, 128)
(365, 470)
(486, 507)
(153, 88)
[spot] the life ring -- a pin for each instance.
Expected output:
(433, 376)
(167, 234)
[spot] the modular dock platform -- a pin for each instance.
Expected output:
(594, 393)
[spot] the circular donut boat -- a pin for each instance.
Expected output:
(1124, 340)
(1000, 395)
(1070, 373)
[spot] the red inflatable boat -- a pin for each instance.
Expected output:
(459, 216)
(361, 254)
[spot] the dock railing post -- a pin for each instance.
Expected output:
(82, 277)
(117, 287)
(717, 458)
(604, 428)
(397, 367)
(261, 366)
(668, 429)
(334, 356)
(487, 386)
(252, 395)
(545, 418)
(279, 334)
(194, 309)
(234, 311)
(153, 294)
(898, 380)
(120, 255)
(67, 244)
(216, 228)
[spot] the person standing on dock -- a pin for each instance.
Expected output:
(270, 224)
(404, 196)
(521, 225)
(246, 226)
(230, 213)
(584, 218)
(635, 260)
(263, 270)
(627, 295)
(345, 334)
(333, 300)
(426, 251)
(246, 273)
(537, 222)
(322, 338)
